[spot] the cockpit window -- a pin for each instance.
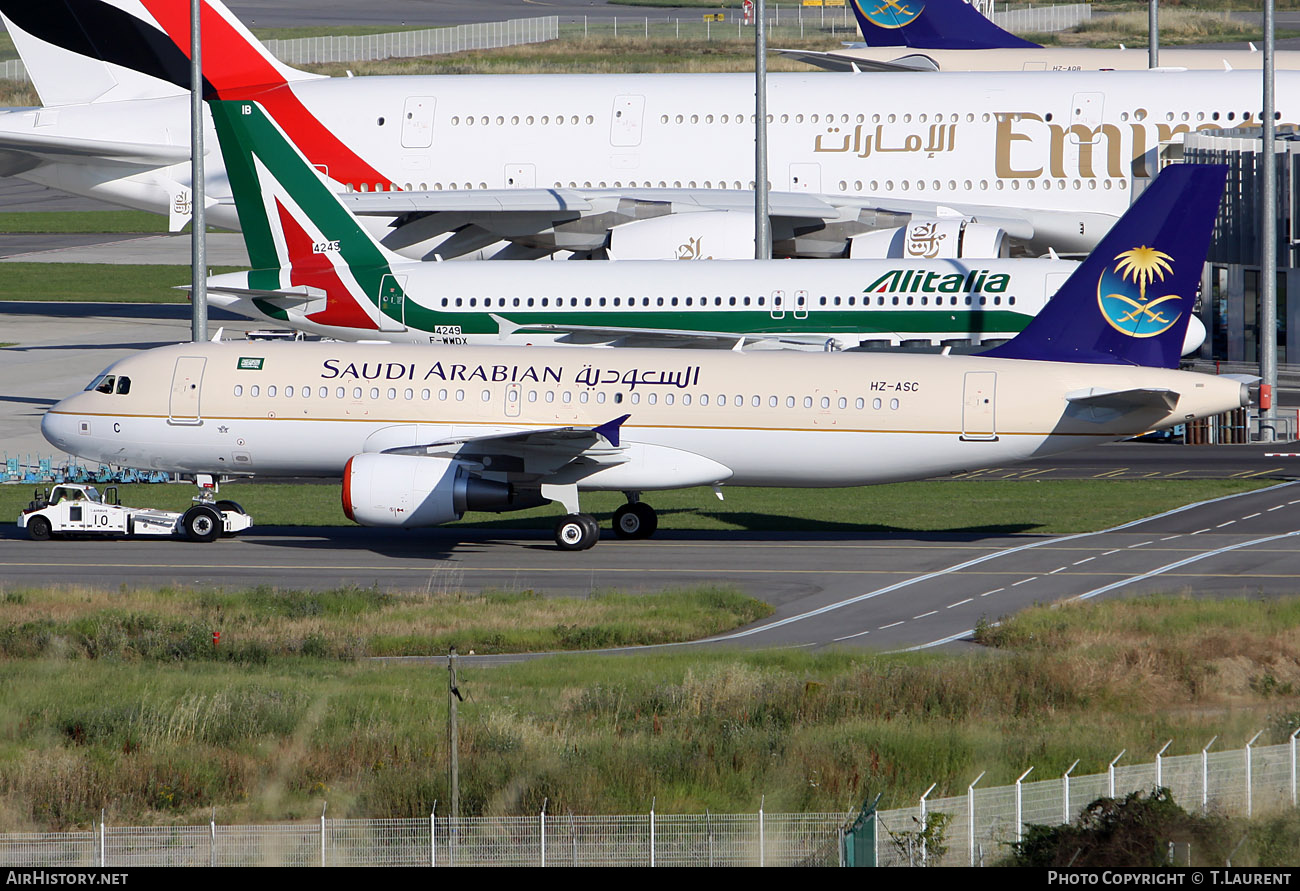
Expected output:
(123, 386)
(105, 384)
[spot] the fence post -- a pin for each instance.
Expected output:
(762, 853)
(543, 828)
(103, 855)
(212, 839)
(970, 813)
(433, 834)
(708, 825)
(1293, 735)
(1110, 772)
(322, 832)
(1250, 786)
(1065, 780)
(1205, 775)
(1160, 764)
(652, 832)
(1020, 825)
(924, 795)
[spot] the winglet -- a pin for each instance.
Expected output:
(609, 429)
(505, 327)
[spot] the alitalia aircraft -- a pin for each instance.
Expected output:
(316, 269)
(952, 35)
(421, 435)
(654, 166)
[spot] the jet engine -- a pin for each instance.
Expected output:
(703, 235)
(931, 240)
(417, 490)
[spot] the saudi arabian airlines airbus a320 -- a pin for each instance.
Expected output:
(645, 166)
(420, 435)
(952, 35)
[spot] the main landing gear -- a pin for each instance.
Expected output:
(578, 531)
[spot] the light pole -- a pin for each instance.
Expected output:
(198, 218)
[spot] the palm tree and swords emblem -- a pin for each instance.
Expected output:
(1136, 316)
(890, 13)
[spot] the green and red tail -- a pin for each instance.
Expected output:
(297, 231)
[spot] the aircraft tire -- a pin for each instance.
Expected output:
(637, 520)
(202, 523)
(576, 532)
(38, 529)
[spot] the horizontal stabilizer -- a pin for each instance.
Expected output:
(844, 62)
(300, 294)
(1125, 400)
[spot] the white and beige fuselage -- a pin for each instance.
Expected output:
(775, 419)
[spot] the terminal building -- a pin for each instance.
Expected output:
(1230, 292)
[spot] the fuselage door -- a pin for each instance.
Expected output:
(514, 396)
(978, 406)
(805, 177)
(417, 122)
(625, 125)
(801, 304)
(778, 305)
(187, 386)
(521, 176)
(1085, 117)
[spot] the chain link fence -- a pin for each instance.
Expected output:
(785, 21)
(394, 45)
(984, 823)
(541, 840)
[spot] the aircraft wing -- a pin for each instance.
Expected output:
(540, 221)
(40, 147)
(537, 452)
(1154, 398)
(659, 337)
(577, 201)
(846, 62)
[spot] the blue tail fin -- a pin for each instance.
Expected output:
(1130, 301)
(931, 24)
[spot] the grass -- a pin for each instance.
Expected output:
(179, 737)
(936, 506)
(95, 221)
(109, 282)
(171, 625)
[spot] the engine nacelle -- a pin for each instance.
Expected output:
(414, 490)
(706, 235)
(931, 240)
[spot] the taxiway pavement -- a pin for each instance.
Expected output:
(879, 591)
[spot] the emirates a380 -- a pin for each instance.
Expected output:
(644, 165)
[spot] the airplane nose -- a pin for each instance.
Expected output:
(59, 428)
